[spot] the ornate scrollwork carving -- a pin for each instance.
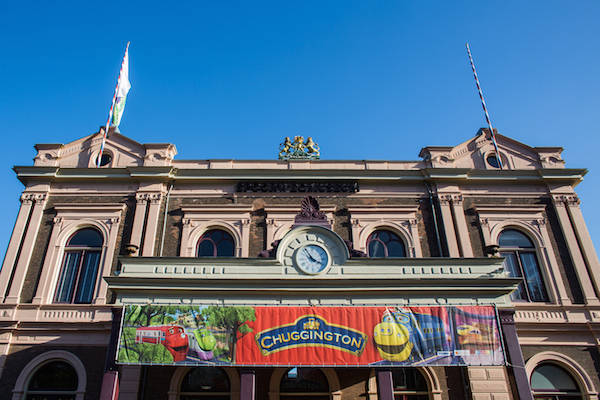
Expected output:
(310, 213)
(299, 149)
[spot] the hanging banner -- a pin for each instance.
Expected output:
(317, 336)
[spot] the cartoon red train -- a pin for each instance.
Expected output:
(172, 337)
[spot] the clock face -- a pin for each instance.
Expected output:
(312, 259)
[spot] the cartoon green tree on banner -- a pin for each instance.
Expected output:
(233, 320)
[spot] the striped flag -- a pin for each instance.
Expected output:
(122, 90)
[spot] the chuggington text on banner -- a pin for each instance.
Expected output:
(352, 336)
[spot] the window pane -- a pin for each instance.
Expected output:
(383, 243)
(513, 238)
(216, 242)
(66, 283)
(54, 376)
(225, 248)
(376, 249)
(535, 285)
(550, 377)
(395, 249)
(87, 237)
(206, 248)
(511, 265)
(87, 277)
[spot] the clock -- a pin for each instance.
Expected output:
(311, 250)
(312, 259)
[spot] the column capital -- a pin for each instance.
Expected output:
(569, 199)
(541, 221)
(457, 198)
(155, 198)
(445, 198)
(29, 198)
(572, 200)
(141, 197)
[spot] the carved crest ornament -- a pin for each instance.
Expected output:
(298, 149)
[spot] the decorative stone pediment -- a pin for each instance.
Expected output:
(475, 153)
(122, 152)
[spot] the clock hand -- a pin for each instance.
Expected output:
(309, 255)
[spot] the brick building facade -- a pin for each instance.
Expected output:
(452, 213)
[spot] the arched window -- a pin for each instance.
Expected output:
(384, 243)
(521, 262)
(409, 384)
(56, 380)
(79, 270)
(303, 383)
(205, 383)
(216, 243)
(551, 382)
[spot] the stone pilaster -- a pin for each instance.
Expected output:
(22, 263)
(462, 230)
(446, 211)
(151, 224)
(585, 241)
(27, 200)
(573, 246)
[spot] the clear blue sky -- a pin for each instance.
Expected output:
(366, 79)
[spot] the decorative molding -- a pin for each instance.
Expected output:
(402, 220)
(234, 219)
(29, 198)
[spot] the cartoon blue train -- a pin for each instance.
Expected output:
(408, 336)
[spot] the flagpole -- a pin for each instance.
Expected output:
(112, 106)
(487, 116)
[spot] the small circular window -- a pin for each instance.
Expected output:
(493, 161)
(105, 160)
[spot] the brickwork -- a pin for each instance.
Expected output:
(41, 244)
(557, 240)
(257, 242)
(19, 355)
(587, 357)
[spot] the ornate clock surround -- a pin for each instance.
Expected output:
(307, 235)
